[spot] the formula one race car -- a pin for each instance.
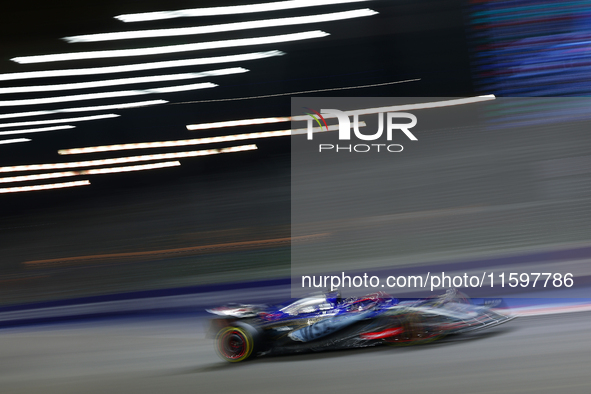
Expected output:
(326, 321)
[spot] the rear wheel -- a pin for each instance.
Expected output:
(237, 342)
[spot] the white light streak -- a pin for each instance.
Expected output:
(43, 187)
(407, 107)
(38, 177)
(232, 123)
(300, 92)
(140, 66)
(122, 81)
(54, 121)
(229, 10)
(184, 88)
(240, 42)
(53, 175)
(185, 31)
(84, 109)
(39, 130)
(130, 159)
(168, 144)
(196, 141)
(131, 168)
(96, 96)
(14, 140)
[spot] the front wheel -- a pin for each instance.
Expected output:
(237, 342)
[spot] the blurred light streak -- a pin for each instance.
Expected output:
(247, 122)
(130, 159)
(39, 130)
(239, 42)
(185, 31)
(131, 168)
(214, 248)
(113, 170)
(43, 187)
(166, 144)
(23, 279)
(139, 66)
(65, 120)
(300, 92)
(183, 88)
(122, 81)
(230, 10)
(96, 96)
(37, 177)
(136, 104)
(408, 107)
(196, 141)
(232, 123)
(14, 140)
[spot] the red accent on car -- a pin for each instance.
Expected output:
(269, 316)
(390, 332)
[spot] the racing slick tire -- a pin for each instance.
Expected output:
(237, 342)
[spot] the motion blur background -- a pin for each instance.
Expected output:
(48, 235)
(203, 222)
(223, 217)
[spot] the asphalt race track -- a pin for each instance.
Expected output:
(544, 354)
